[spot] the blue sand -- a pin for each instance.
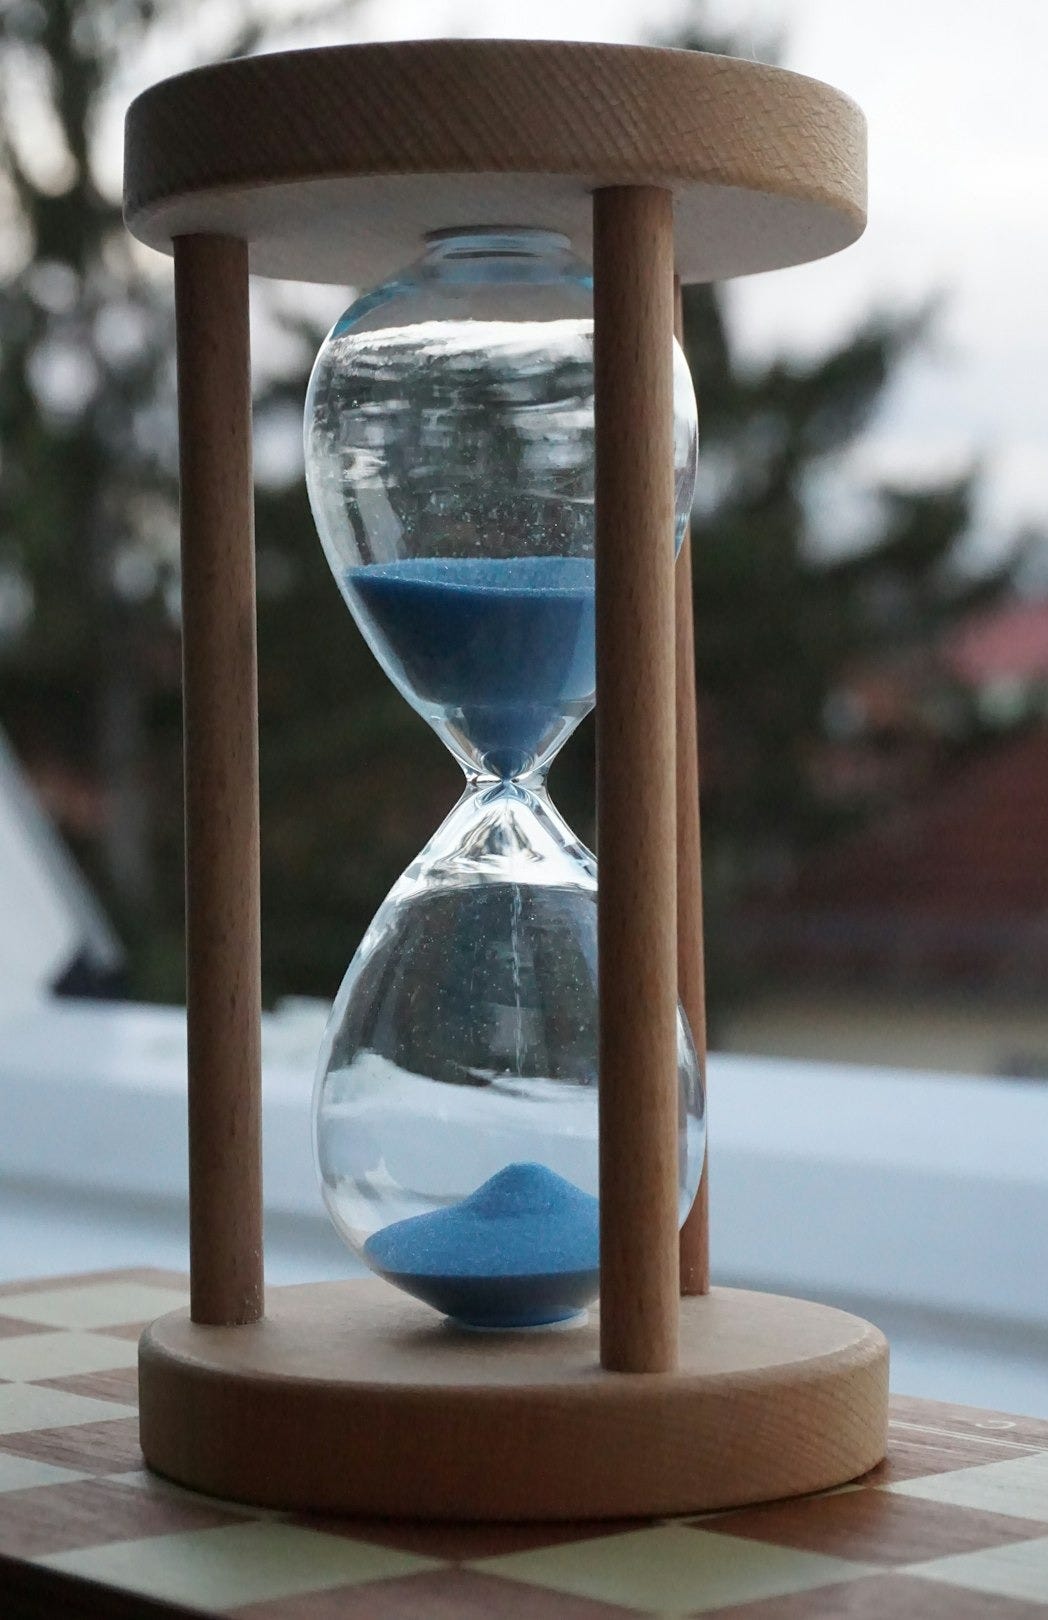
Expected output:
(521, 1251)
(503, 646)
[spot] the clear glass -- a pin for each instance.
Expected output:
(449, 457)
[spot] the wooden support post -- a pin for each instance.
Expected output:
(223, 994)
(691, 976)
(636, 794)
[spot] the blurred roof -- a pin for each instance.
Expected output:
(1007, 643)
(952, 888)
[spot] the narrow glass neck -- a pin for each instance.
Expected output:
(529, 784)
(501, 832)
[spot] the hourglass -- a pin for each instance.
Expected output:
(449, 460)
(509, 1111)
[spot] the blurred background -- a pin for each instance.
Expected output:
(871, 539)
(871, 553)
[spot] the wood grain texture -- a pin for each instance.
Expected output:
(691, 967)
(636, 802)
(334, 162)
(350, 1397)
(223, 972)
(43, 1520)
(106, 1447)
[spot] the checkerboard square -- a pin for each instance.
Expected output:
(914, 1453)
(152, 1275)
(445, 1594)
(53, 1518)
(1018, 1571)
(11, 1329)
(1019, 1487)
(23, 1473)
(945, 1417)
(114, 1384)
(875, 1525)
(885, 1597)
(143, 1479)
(465, 1542)
(222, 1569)
(94, 1448)
(673, 1567)
(95, 1305)
(29, 1406)
(58, 1355)
(932, 1437)
(128, 1330)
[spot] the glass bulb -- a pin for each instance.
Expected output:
(449, 461)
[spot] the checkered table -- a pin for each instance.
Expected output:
(954, 1526)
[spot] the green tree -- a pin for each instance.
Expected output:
(86, 482)
(88, 494)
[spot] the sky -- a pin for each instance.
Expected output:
(958, 115)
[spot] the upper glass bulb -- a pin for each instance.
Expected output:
(449, 427)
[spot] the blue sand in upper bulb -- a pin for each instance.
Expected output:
(503, 646)
(521, 1251)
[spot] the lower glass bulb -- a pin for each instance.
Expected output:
(456, 1099)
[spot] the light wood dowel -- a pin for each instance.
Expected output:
(636, 794)
(221, 780)
(691, 977)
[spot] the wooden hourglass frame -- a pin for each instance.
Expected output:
(331, 165)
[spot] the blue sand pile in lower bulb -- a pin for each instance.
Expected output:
(522, 1251)
(503, 646)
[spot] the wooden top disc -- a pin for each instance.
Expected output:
(333, 163)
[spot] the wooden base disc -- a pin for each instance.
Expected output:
(352, 1398)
